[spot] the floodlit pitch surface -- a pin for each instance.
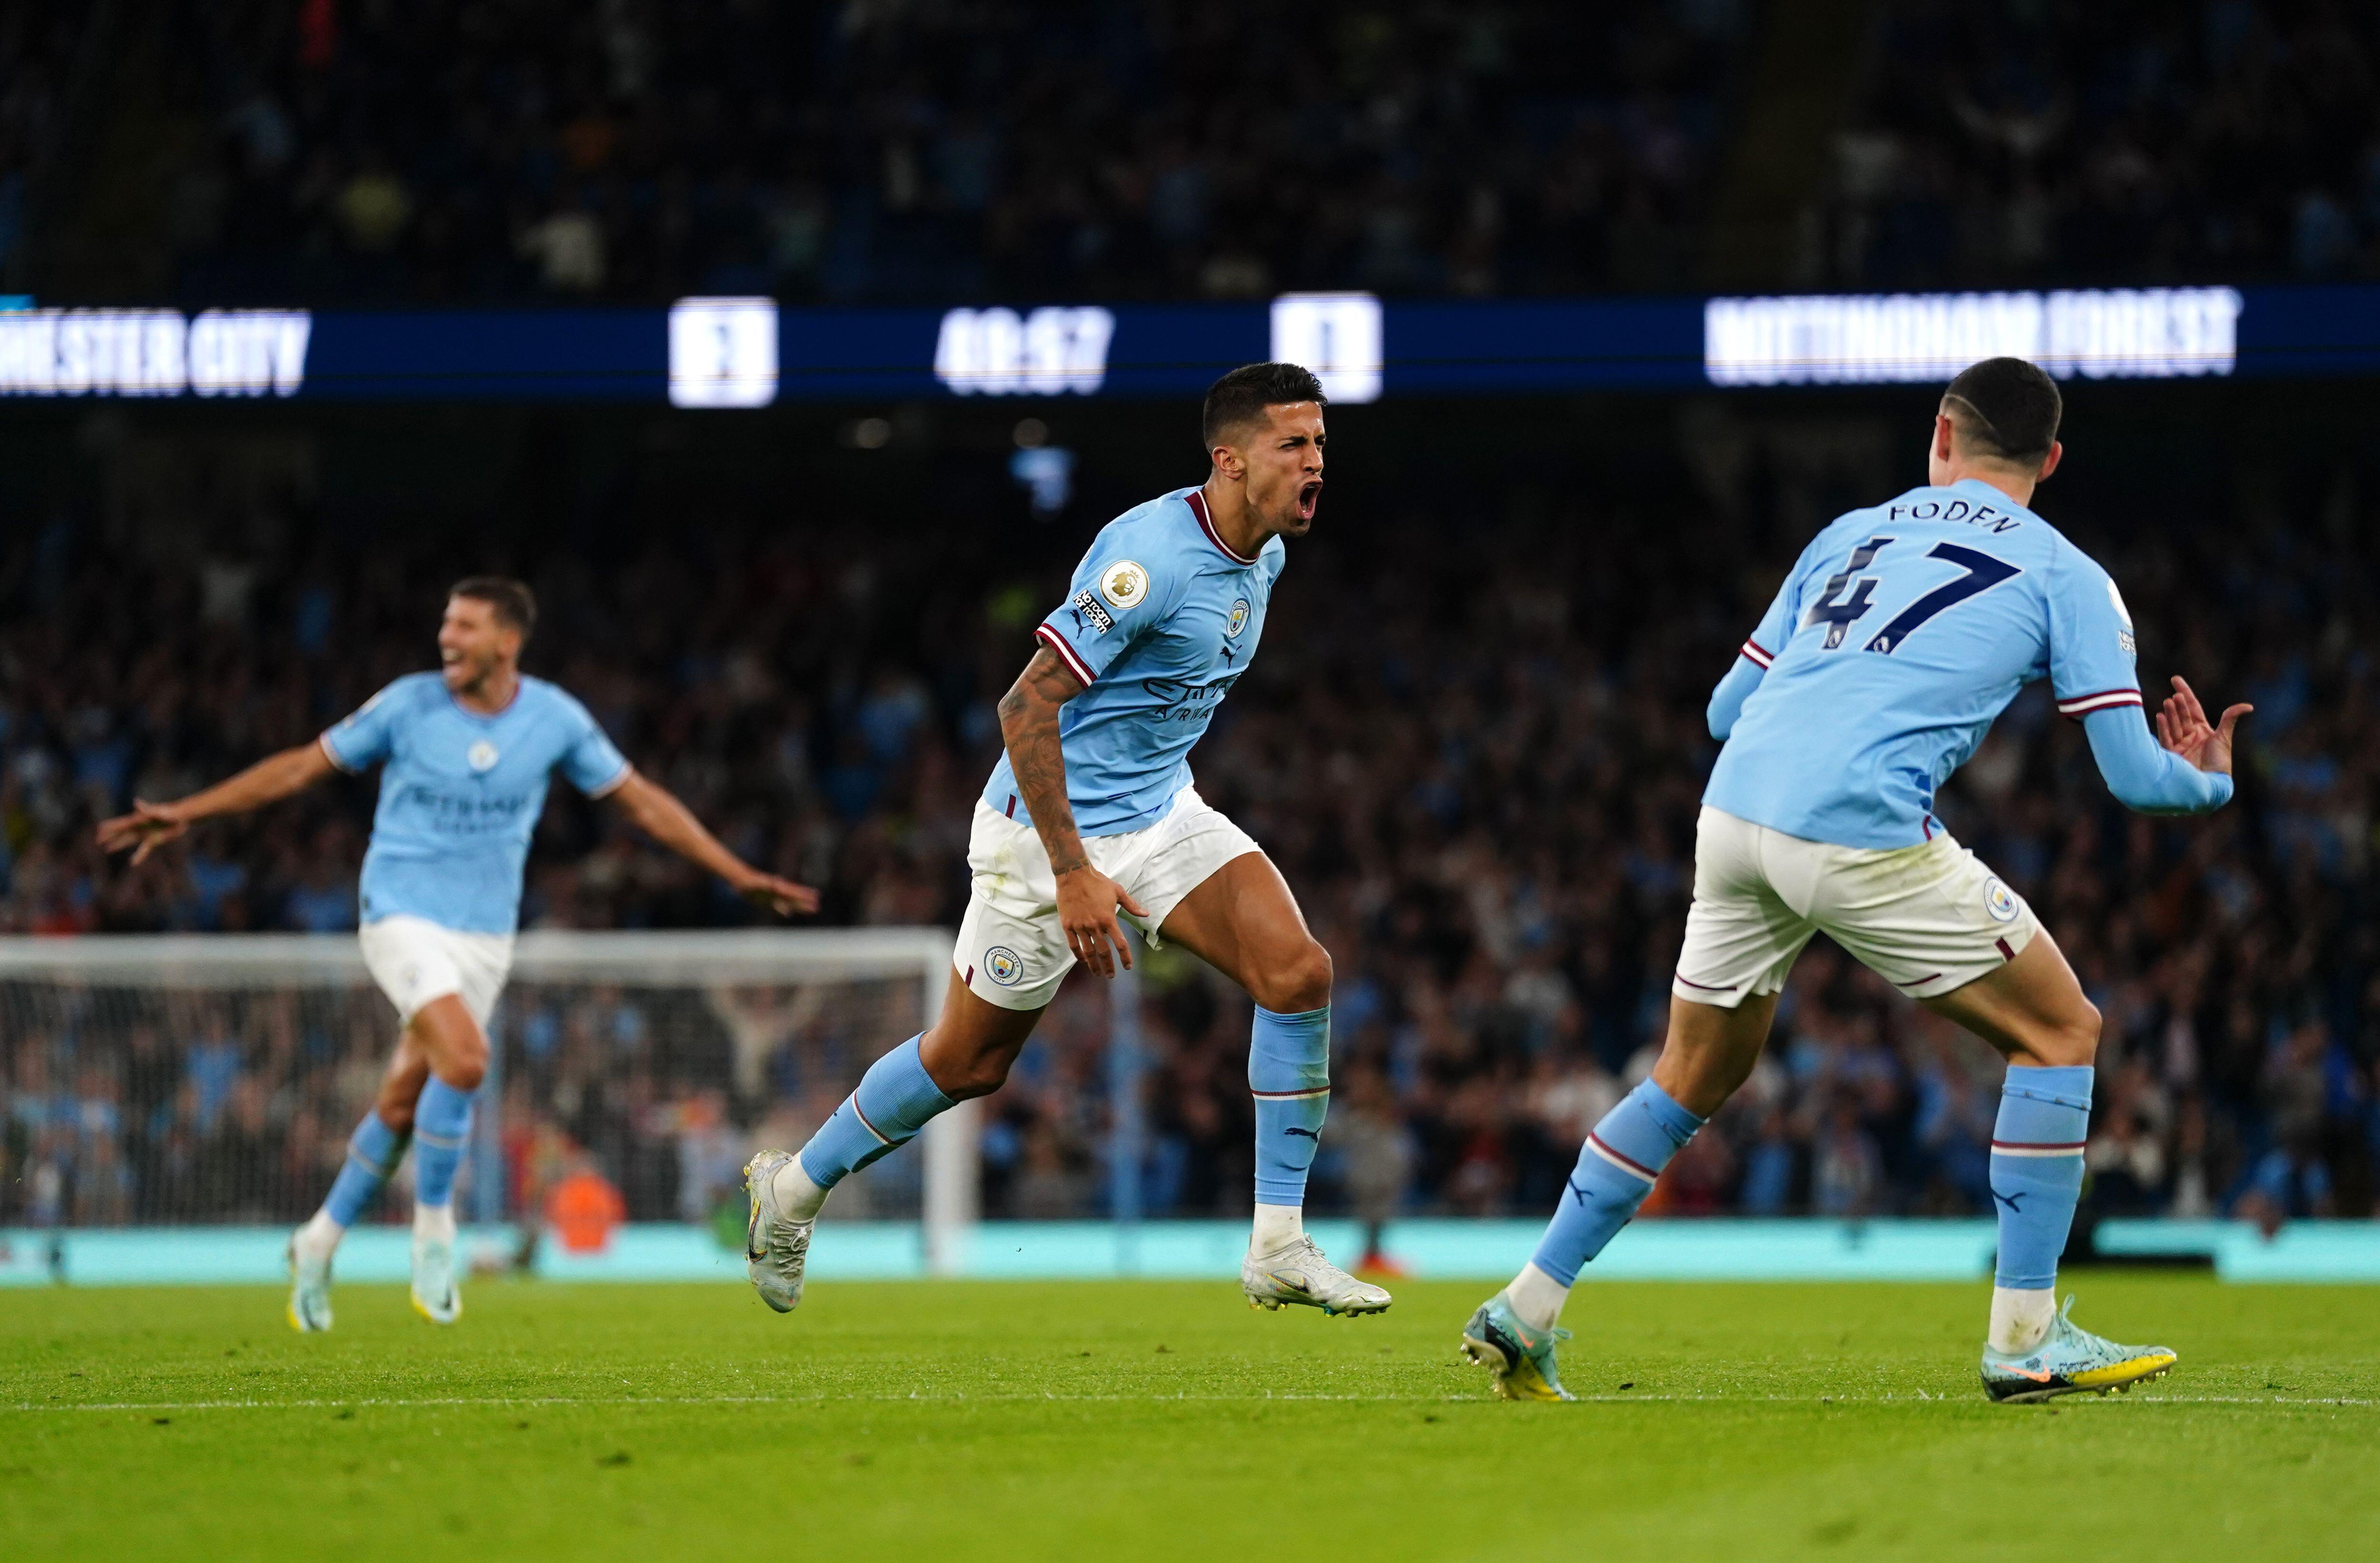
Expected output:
(1155, 1421)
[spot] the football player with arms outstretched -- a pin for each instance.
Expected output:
(466, 754)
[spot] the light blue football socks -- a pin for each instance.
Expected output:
(2037, 1170)
(1289, 1074)
(1617, 1166)
(441, 1127)
(894, 1099)
(373, 1152)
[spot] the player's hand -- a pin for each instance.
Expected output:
(782, 896)
(147, 828)
(1086, 910)
(2182, 727)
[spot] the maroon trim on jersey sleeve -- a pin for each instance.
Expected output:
(1207, 525)
(1751, 652)
(2080, 706)
(1066, 654)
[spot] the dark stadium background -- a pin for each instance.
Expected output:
(1474, 740)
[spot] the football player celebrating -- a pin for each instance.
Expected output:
(1901, 632)
(467, 751)
(1091, 810)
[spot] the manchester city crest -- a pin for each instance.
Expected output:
(1999, 901)
(481, 755)
(1239, 619)
(1003, 965)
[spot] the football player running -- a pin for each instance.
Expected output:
(466, 752)
(1900, 632)
(1091, 812)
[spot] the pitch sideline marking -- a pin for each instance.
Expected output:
(493, 1402)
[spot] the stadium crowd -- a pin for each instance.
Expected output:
(876, 150)
(872, 149)
(1481, 777)
(2131, 142)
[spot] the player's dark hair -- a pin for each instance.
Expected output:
(1241, 396)
(2006, 409)
(516, 605)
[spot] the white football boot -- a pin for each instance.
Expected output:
(1298, 1273)
(309, 1290)
(435, 1295)
(776, 1247)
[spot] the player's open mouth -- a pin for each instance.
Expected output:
(1308, 497)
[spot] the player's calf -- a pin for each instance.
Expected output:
(373, 1153)
(442, 1128)
(1289, 1075)
(1622, 1159)
(896, 1099)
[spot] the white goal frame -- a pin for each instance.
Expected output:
(952, 1171)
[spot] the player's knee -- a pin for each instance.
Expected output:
(461, 1059)
(449, 1037)
(466, 1072)
(2076, 1039)
(1298, 984)
(980, 1078)
(974, 1074)
(2068, 1040)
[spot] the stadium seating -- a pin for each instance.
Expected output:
(2130, 143)
(1480, 777)
(333, 154)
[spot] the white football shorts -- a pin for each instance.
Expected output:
(1925, 918)
(415, 961)
(1012, 952)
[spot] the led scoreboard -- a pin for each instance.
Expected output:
(730, 353)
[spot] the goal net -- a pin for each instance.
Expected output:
(215, 1079)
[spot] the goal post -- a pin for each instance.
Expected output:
(199, 1077)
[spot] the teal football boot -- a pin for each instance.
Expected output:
(1519, 1357)
(2068, 1361)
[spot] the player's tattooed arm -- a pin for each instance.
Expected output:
(1029, 725)
(1087, 899)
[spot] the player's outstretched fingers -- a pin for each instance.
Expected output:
(1125, 900)
(783, 896)
(1092, 945)
(2232, 716)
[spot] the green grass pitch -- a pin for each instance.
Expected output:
(1158, 1421)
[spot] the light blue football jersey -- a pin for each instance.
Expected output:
(1159, 622)
(461, 794)
(1901, 632)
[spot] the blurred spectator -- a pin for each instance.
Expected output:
(584, 1208)
(638, 152)
(1480, 776)
(2127, 141)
